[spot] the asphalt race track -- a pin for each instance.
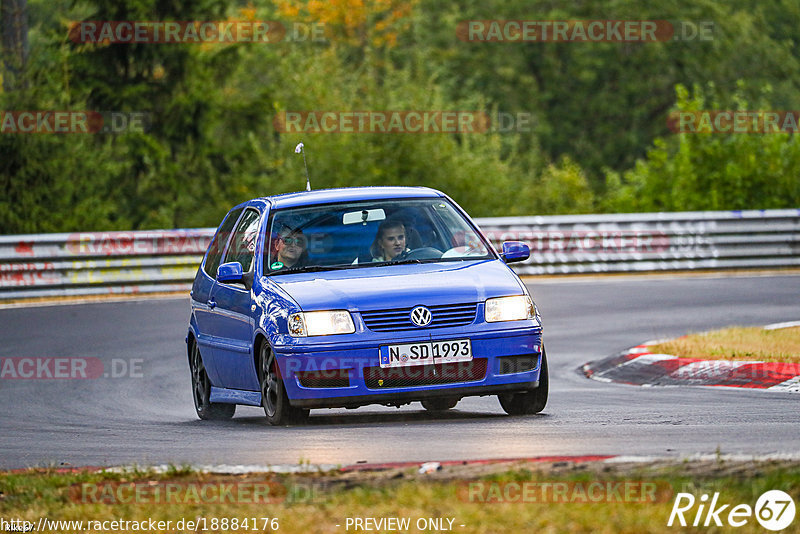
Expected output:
(149, 419)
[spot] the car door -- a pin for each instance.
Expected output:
(232, 317)
(201, 293)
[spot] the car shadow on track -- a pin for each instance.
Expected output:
(420, 416)
(341, 419)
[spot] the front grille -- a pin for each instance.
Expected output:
(399, 319)
(330, 378)
(425, 375)
(507, 365)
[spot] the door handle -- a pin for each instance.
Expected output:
(212, 303)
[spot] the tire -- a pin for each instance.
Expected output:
(273, 393)
(532, 401)
(201, 391)
(439, 405)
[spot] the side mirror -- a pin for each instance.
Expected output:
(514, 251)
(230, 272)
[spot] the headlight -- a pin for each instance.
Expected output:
(516, 308)
(321, 323)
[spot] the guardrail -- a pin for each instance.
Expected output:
(91, 263)
(87, 263)
(628, 242)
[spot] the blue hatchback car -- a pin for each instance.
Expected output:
(355, 296)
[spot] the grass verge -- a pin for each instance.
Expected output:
(737, 343)
(560, 497)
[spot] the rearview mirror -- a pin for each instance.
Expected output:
(514, 251)
(363, 216)
(230, 272)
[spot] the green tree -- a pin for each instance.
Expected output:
(711, 171)
(13, 40)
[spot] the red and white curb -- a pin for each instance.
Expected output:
(638, 366)
(579, 459)
(449, 463)
(308, 468)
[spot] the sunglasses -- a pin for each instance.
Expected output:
(299, 241)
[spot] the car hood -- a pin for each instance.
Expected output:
(398, 286)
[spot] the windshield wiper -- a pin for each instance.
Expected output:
(312, 269)
(320, 268)
(384, 263)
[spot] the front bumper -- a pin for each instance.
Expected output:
(504, 361)
(404, 397)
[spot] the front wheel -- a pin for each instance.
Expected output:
(273, 393)
(201, 391)
(532, 401)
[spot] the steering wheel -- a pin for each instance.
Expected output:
(424, 253)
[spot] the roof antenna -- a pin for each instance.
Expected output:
(299, 150)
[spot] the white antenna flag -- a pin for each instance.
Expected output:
(299, 150)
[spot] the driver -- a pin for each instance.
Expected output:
(290, 249)
(390, 241)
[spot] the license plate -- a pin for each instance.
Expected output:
(455, 350)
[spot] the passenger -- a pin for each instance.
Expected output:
(290, 249)
(390, 241)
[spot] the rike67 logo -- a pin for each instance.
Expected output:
(774, 510)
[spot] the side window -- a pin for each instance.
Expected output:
(218, 243)
(243, 242)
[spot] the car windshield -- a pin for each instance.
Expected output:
(370, 234)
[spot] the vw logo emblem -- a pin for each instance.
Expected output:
(421, 316)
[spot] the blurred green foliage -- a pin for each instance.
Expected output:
(598, 140)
